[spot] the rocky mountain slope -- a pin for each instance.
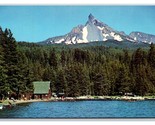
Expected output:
(95, 30)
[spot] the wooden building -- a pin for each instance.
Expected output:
(41, 90)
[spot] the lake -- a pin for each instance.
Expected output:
(82, 109)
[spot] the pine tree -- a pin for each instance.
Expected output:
(53, 79)
(61, 84)
(25, 79)
(83, 79)
(151, 55)
(63, 58)
(53, 60)
(47, 73)
(11, 61)
(126, 58)
(100, 81)
(123, 80)
(72, 83)
(3, 76)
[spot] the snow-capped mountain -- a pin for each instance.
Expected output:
(143, 37)
(94, 30)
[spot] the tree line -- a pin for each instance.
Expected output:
(15, 76)
(89, 70)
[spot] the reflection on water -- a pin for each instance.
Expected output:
(82, 109)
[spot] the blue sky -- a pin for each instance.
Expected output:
(37, 23)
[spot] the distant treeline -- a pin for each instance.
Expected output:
(88, 70)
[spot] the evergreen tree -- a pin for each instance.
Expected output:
(3, 76)
(61, 85)
(63, 58)
(47, 73)
(53, 61)
(72, 83)
(100, 81)
(25, 79)
(53, 79)
(123, 80)
(11, 61)
(83, 79)
(151, 55)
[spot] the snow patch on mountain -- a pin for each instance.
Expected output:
(105, 35)
(118, 38)
(100, 28)
(59, 41)
(85, 33)
(73, 40)
(105, 39)
(112, 34)
(68, 42)
(130, 39)
(93, 32)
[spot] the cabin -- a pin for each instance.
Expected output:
(41, 90)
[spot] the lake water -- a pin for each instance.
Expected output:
(82, 109)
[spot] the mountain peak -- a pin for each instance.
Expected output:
(91, 17)
(96, 30)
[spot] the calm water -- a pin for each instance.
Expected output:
(82, 109)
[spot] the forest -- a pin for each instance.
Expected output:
(76, 71)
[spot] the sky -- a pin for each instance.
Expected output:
(38, 23)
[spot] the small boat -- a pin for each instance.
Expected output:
(7, 104)
(1, 106)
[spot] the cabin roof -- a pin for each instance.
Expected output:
(41, 87)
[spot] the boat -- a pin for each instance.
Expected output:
(1, 106)
(7, 104)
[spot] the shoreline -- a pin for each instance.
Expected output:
(29, 101)
(89, 98)
(83, 98)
